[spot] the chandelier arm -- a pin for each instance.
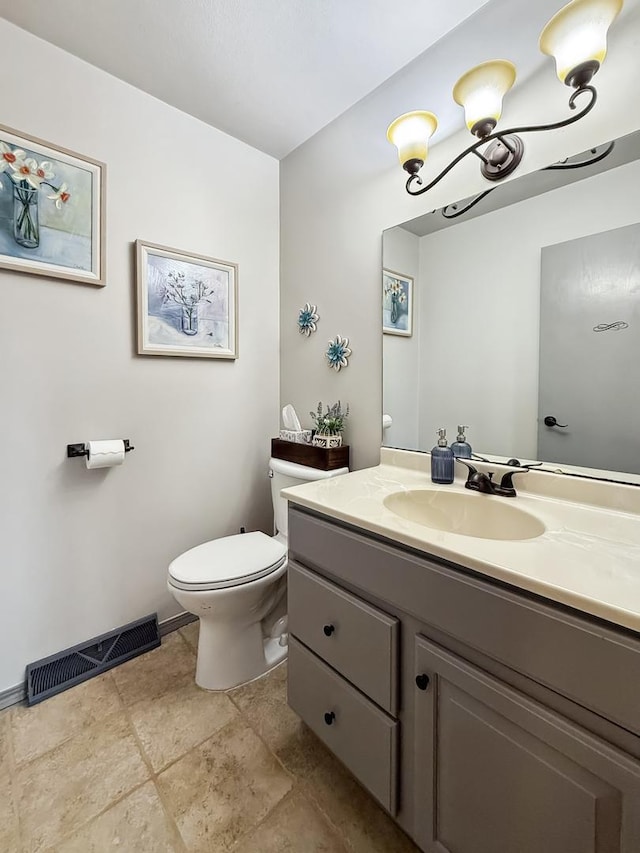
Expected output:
(418, 180)
(595, 159)
(512, 131)
(556, 125)
(468, 207)
(481, 156)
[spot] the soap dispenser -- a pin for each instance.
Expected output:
(442, 460)
(461, 447)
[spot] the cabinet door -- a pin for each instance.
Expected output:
(498, 773)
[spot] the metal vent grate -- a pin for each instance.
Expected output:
(65, 669)
(132, 639)
(44, 679)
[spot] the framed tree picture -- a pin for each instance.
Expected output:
(187, 304)
(397, 303)
(52, 210)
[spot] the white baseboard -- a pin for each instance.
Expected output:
(17, 693)
(175, 622)
(12, 695)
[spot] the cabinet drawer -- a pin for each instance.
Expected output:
(358, 640)
(362, 736)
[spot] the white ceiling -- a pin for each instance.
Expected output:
(269, 72)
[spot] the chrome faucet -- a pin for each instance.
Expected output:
(478, 481)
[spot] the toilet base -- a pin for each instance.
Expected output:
(275, 651)
(228, 657)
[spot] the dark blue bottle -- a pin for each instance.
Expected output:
(461, 447)
(442, 460)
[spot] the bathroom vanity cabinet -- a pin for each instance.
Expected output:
(484, 719)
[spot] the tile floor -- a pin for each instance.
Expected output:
(140, 760)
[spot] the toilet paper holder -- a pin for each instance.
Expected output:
(74, 450)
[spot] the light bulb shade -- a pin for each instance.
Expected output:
(410, 133)
(576, 37)
(481, 90)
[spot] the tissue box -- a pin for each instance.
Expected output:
(302, 436)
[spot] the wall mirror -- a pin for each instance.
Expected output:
(523, 306)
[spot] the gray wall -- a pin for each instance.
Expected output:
(84, 551)
(343, 187)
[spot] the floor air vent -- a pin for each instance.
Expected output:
(65, 669)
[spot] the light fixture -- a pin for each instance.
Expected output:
(576, 37)
(410, 133)
(481, 90)
(578, 161)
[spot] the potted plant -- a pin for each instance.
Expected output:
(329, 425)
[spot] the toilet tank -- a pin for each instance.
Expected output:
(285, 474)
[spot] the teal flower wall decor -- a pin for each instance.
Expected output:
(338, 353)
(307, 319)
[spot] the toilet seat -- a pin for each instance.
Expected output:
(227, 562)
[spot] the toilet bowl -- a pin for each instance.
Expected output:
(236, 585)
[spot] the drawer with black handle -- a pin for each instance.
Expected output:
(357, 639)
(362, 736)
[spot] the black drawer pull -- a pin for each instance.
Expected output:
(329, 717)
(422, 681)
(328, 630)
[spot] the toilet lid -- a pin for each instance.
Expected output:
(226, 562)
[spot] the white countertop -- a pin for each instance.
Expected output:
(587, 558)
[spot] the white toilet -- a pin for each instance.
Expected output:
(237, 586)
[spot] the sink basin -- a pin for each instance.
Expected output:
(467, 514)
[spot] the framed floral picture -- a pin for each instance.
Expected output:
(187, 304)
(397, 303)
(52, 210)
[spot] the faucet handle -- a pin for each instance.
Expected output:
(516, 463)
(472, 468)
(506, 487)
(477, 481)
(473, 471)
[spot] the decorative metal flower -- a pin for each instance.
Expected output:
(338, 353)
(307, 319)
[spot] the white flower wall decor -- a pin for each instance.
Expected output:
(338, 353)
(307, 319)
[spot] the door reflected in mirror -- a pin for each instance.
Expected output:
(526, 319)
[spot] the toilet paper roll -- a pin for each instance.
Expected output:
(105, 454)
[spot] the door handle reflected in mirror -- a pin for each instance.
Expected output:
(550, 421)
